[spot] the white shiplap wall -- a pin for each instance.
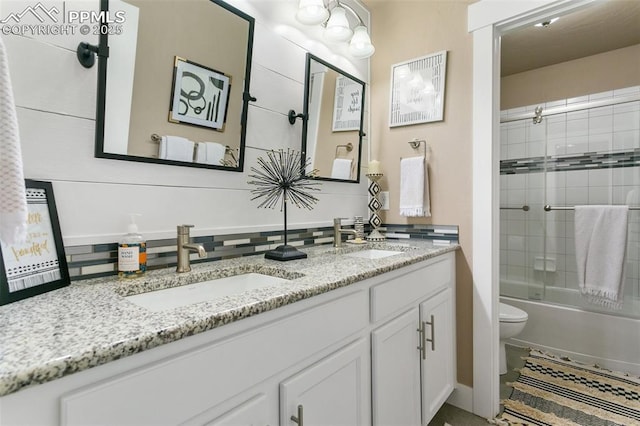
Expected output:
(56, 97)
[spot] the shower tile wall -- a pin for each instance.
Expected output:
(590, 157)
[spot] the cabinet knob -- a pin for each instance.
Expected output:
(300, 418)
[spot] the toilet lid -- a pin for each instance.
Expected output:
(510, 313)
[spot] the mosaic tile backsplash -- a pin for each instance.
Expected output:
(586, 161)
(90, 261)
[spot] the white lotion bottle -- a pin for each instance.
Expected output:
(132, 252)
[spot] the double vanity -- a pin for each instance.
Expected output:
(367, 330)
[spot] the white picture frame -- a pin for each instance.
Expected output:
(417, 90)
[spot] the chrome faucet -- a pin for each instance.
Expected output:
(337, 232)
(185, 246)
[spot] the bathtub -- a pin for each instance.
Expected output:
(570, 327)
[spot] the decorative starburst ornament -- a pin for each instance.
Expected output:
(279, 181)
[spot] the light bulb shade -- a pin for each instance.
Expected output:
(338, 26)
(360, 46)
(311, 12)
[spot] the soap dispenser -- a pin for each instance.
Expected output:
(132, 252)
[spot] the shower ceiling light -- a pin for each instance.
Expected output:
(333, 18)
(546, 24)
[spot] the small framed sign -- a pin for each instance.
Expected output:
(38, 264)
(200, 95)
(347, 105)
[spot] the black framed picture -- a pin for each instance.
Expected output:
(200, 95)
(38, 264)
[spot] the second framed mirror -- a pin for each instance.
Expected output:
(332, 129)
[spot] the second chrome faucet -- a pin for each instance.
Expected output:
(185, 247)
(338, 231)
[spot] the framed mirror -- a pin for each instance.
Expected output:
(332, 128)
(175, 86)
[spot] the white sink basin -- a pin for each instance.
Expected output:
(184, 295)
(373, 254)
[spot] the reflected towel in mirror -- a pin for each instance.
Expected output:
(414, 188)
(176, 148)
(210, 153)
(341, 168)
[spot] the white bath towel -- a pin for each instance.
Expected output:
(210, 153)
(414, 188)
(601, 243)
(176, 148)
(341, 168)
(13, 200)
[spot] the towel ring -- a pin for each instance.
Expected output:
(415, 144)
(348, 147)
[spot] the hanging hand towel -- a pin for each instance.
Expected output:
(414, 188)
(210, 153)
(176, 148)
(601, 243)
(13, 200)
(341, 168)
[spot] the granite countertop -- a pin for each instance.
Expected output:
(90, 322)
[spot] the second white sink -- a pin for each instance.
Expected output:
(373, 254)
(184, 295)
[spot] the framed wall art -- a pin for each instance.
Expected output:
(417, 90)
(347, 104)
(38, 264)
(199, 96)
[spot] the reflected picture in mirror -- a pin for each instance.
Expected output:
(199, 95)
(332, 130)
(175, 87)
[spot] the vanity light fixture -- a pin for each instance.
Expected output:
(333, 18)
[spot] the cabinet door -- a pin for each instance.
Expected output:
(334, 391)
(396, 371)
(438, 377)
(253, 408)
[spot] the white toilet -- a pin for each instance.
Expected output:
(512, 321)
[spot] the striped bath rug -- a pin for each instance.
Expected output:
(558, 391)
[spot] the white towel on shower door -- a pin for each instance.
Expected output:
(13, 199)
(601, 244)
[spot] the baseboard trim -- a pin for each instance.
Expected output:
(462, 397)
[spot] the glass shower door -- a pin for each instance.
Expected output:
(522, 219)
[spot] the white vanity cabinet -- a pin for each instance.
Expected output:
(396, 371)
(231, 372)
(349, 357)
(413, 353)
(437, 347)
(334, 391)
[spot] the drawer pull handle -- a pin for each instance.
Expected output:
(300, 418)
(433, 334)
(423, 346)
